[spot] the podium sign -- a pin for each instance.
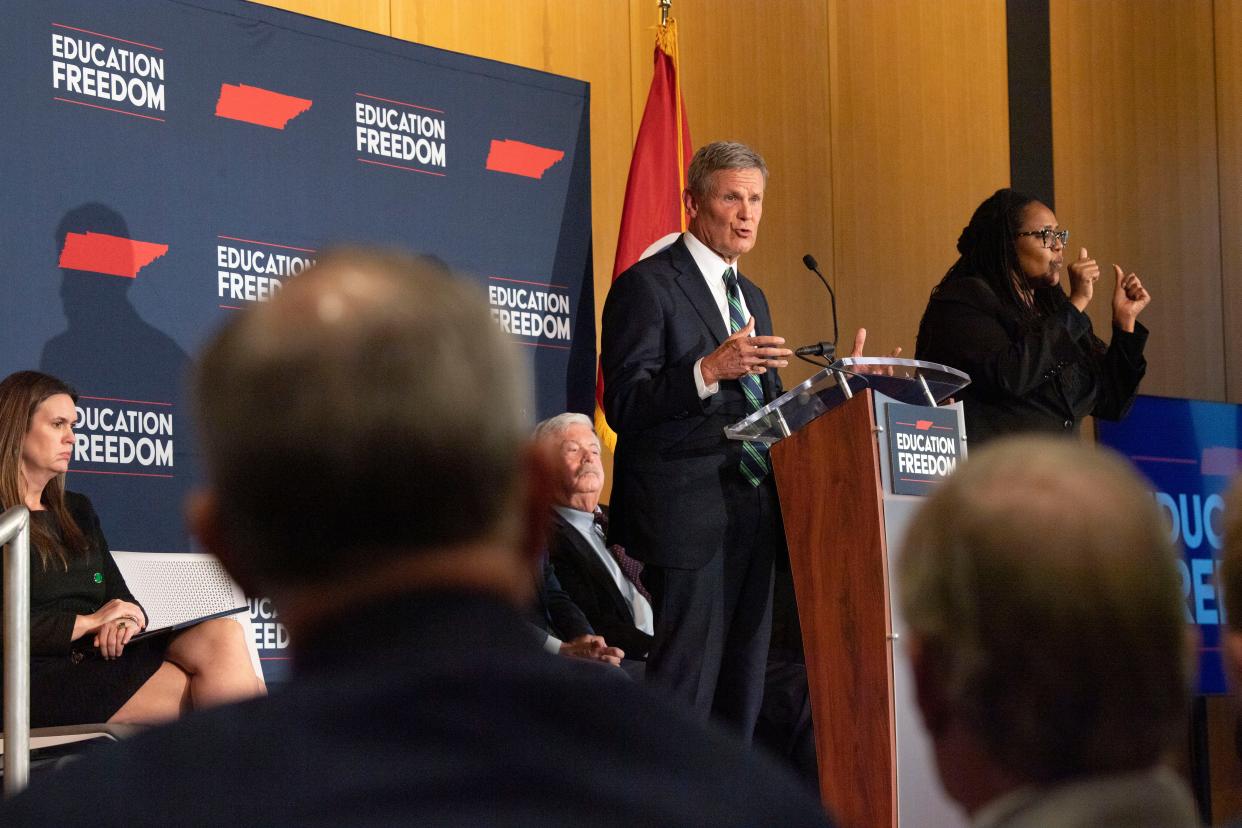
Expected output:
(923, 447)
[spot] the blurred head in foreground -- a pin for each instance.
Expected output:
(1046, 626)
(364, 433)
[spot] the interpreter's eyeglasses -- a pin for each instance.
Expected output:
(1046, 236)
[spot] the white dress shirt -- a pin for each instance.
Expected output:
(712, 267)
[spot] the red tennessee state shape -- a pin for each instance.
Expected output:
(923, 425)
(113, 255)
(259, 106)
(521, 159)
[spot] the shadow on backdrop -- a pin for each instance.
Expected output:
(135, 469)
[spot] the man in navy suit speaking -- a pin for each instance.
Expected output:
(688, 349)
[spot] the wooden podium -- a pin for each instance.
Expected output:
(834, 527)
(841, 518)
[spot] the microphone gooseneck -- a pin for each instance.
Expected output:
(813, 266)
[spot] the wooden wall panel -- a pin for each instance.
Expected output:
(371, 15)
(1134, 147)
(920, 135)
(1228, 53)
(644, 17)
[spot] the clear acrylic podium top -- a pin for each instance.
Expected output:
(905, 380)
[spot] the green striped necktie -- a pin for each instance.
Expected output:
(754, 463)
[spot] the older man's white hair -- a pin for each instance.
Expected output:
(556, 426)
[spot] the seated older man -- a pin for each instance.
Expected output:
(1048, 640)
(604, 582)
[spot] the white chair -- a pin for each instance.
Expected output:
(172, 587)
(179, 586)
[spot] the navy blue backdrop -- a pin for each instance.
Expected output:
(166, 163)
(1189, 450)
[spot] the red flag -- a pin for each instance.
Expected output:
(653, 207)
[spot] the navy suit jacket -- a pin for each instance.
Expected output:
(673, 462)
(590, 585)
(427, 709)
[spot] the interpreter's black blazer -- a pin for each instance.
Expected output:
(1044, 377)
(672, 461)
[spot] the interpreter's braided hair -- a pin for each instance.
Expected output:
(987, 250)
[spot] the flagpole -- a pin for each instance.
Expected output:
(664, 5)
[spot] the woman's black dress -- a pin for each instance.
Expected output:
(70, 683)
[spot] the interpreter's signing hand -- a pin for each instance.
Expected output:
(1083, 275)
(743, 353)
(593, 648)
(860, 339)
(1129, 299)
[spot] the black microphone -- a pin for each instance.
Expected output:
(813, 266)
(824, 349)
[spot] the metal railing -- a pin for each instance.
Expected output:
(15, 531)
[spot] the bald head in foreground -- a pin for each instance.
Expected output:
(365, 436)
(1050, 652)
